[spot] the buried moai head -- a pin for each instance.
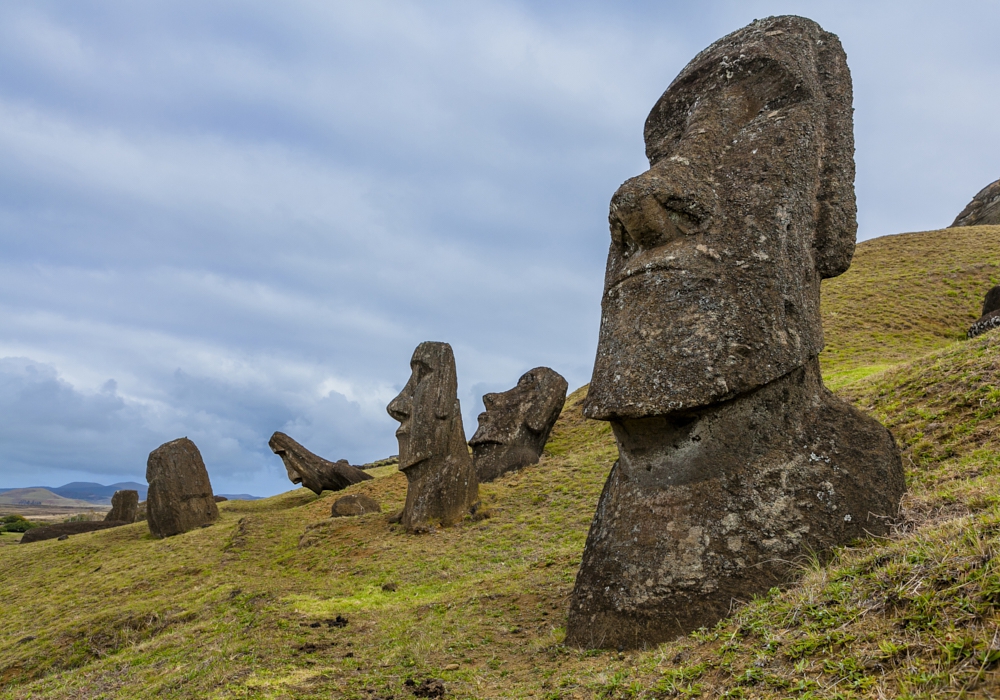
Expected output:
(124, 506)
(513, 429)
(433, 453)
(312, 471)
(717, 251)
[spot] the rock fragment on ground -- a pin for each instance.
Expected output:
(354, 504)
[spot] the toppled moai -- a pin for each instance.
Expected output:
(180, 494)
(735, 462)
(62, 531)
(124, 506)
(983, 210)
(516, 424)
(990, 316)
(312, 471)
(441, 481)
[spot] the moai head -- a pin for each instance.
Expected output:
(717, 251)
(426, 405)
(513, 429)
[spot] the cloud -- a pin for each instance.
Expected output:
(247, 216)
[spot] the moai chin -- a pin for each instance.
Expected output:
(516, 423)
(442, 485)
(734, 459)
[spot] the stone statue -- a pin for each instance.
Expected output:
(124, 506)
(516, 424)
(442, 485)
(734, 459)
(312, 471)
(983, 210)
(990, 317)
(180, 495)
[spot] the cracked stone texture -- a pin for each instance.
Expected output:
(124, 506)
(990, 317)
(311, 470)
(734, 460)
(516, 424)
(441, 481)
(180, 494)
(983, 210)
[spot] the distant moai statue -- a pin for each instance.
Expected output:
(516, 424)
(180, 494)
(990, 316)
(442, 485)
(734, 459)
(312, 471)
(124, 506)
(983, 210)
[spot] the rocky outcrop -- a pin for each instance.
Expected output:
(441, 481)
(312, 471)
(983, 210)
(354, 504)
(180, 494)
(63, 530)
(516, 424)
(990, 316)
(734, 461)
(124, 506)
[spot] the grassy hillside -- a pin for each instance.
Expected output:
(905, 296)
(278, 601)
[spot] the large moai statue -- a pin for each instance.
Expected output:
(180, 495)
(312, 471)
(516, 424)
(124, 506)
(734, 460)
(433, 453)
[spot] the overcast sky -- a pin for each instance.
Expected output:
(222, 219)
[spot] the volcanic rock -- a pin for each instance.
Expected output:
(124, 506)
(990, 317)
(516, 424)
(61, 530)
(441, 481)
(734, 460)
(983, 210)
(220, 499)
(312, 471)
(180, 494)
(354, 504)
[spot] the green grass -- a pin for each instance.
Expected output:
(248, 608)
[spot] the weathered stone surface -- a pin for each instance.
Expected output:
(61, 530)
(442, 484)
(516, 424)
(983, 210)
(140, 512)
(124, 506)
(312, 471)
(180, 494)
(354, 504)
(734, 460)
(990, 317)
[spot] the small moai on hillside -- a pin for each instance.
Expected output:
(180, 494)
(354, 504)
(516, 424)
(983, 210)
(124, 506)
(312, 471)
(441, 481)
(734, 460)
(990, 316)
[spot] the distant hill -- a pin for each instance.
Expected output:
(89, 492)
(39, 497)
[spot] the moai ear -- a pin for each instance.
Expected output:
(836, 206)
(445, 381)
(549, 394)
